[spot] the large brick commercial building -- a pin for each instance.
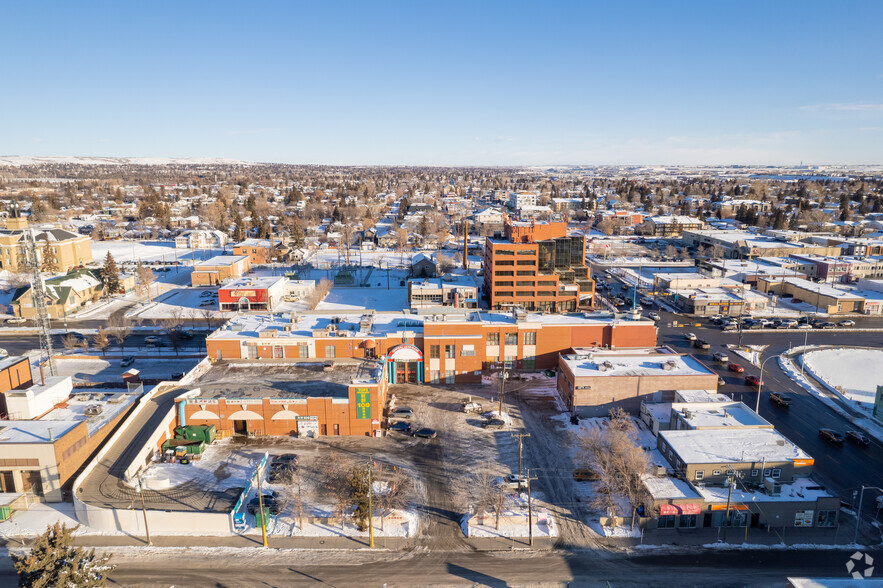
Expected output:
(310, 399)
(450, 347)
(537, 267)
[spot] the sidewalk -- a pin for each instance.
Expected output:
(736, 538)
(277, 542)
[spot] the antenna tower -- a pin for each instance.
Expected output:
(38, 296)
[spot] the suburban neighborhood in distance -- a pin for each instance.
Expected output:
(391, 294)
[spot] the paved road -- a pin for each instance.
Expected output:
(703, 568)
(843, 469)
(20, 344)
(105, 487)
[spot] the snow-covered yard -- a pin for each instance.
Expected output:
(857, 372)
(148, 251)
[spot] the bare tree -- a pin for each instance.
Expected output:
(318, 294)
(295, 492)
(119, 327)
(145, 278)
(101, 341)
(394, 490)
(207, 315)
(70, 342)
(614, 454)
(671, 251)
(335, 484)
(606, 226)
(489, 493)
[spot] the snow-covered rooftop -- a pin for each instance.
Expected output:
(709, 415)
(259, 283)
(736, 445)
(647, 362)
(700, 396)
(801, 489)
(220, 260)
(668, 488)
(34, 431)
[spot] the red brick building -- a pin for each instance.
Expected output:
(316, 399)
(537, 267)
(449, 347)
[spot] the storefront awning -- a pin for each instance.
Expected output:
(680, 509)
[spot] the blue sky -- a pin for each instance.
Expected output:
(446, 83)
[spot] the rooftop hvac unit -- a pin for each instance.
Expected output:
(602, 367)
(661, 471)
(93, 410)
(666, 366)
(773, 487)
(608, 365)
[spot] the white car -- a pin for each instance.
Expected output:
(654, 316)
(3, 353)
(16, 321)
(690, 336)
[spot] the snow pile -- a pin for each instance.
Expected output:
(219, 465)
(511, 525)
(857, 372)
(619, 531)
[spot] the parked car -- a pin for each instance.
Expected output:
(16, 321)
(269, 503)
(831, 435)
(690, 336)
(721, 381)
(804, 326)
(858, 437)
(471, 407)
(654, 316)
(735, 367)
(494, 424)
(846, 324)
(425, 433)
(151, 340)
(285, 458)
(827, 325)
(715, 317)
(796, 300)
(781, 398)
(753, 381)
(127, 361)
(402, 412)
(730, 327)
(585, 475)
(721, 357)
(516, 481)
(207, 303)
(400, 427)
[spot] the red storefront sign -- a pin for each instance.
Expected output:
(680, 509)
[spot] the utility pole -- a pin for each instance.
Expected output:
(521, 437)
(143, 508)
(260, 473)
(502, 388)
(731, 481)
(529, 512)
(38, 298)
(370, 512)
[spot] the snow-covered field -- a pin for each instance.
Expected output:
(148, 251)
(857, 371)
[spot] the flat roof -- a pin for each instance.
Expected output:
(668, 488)
(297, 381)
(799, 490)
(689, 396)
(221, 260)
(11, 360)
(719, 414)
(736, 445)
(260, 282)
(648, 362)
(40, 431)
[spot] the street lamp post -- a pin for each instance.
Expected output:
(760, 383)
(858, 513)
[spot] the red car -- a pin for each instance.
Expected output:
(753, 381)
(735, 367)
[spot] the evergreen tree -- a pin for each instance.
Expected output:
(110, 275)
(297, 235)
(358, 483)
(50, 260)
(54, 561)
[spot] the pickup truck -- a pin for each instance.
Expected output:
(780, 398)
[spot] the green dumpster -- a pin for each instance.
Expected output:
(5, 513)
(259, 516)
